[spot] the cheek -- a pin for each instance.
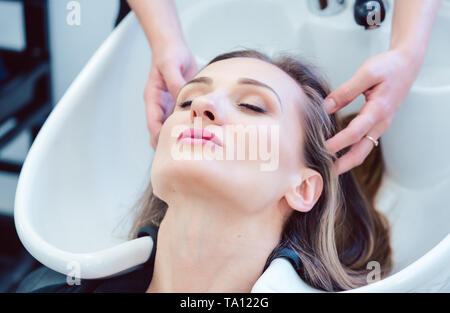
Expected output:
(260, 182)
(290, 158)
(254, 192)
(171, 123)
(256, 135)
(162, 160)
(291, 142)
(172, 127)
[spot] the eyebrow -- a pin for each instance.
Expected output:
(242, 81)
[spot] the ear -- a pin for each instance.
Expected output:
(305, 191)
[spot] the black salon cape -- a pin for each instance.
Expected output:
(136, 281)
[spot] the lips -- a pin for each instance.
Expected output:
(199, 135)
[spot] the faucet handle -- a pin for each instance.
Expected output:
(370, 13)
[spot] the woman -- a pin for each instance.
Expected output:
(220, 222)
(384, 79)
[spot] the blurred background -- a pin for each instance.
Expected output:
(43, 46)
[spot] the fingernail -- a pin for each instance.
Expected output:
(330, 104)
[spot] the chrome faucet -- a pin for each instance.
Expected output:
(326, 7)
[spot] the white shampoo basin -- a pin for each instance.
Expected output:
(91, 160)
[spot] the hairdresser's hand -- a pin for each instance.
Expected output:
(172, 66)
(385, 81)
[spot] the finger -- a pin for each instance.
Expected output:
(154, 131)
(354, 157)
(191, 71)
(353, 133)
(174, 80)
(154, 140)
(155, 116)
(156, 98)
(359, 152)
(349, 91)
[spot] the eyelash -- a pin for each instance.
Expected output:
(246, 105)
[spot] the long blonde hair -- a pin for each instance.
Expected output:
(343, 232)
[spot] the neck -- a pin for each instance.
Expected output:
(204, 248)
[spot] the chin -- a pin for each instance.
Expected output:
(188, 176)
(220, 182)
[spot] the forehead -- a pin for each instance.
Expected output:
(230, 70)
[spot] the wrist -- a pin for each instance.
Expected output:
(412, 51)
(164, 45)
(411, 54)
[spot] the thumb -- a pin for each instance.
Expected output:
(174, 80)
(348, 92)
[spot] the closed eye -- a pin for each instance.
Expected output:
(246, 105)
(252, 107)
(185, 104)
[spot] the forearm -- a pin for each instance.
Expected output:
(160, 23)
(411, 26)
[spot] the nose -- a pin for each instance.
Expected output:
(207, 108)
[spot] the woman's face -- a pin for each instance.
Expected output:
(252, 109)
